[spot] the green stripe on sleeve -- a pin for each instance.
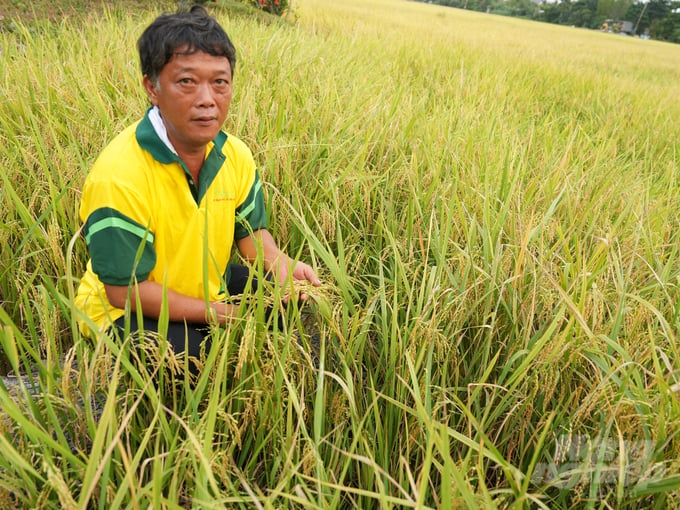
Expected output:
(257, 188)
(120, 248)
(251, 215)
(118, 223)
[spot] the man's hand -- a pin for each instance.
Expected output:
(303, 271)
(275, 260)
(300, 272)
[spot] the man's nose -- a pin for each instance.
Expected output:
(204, 95)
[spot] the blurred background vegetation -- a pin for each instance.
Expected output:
(656, 19)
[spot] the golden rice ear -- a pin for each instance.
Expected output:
(157, 355)
(247, 346)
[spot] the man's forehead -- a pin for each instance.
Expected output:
(198, 58)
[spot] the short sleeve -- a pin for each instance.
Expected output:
(119, 240)
(251, 215)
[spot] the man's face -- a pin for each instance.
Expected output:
(193, 93)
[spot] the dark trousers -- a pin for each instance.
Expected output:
(187, 337)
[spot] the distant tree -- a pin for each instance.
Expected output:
(666, 28)
(613, 9)
(516, 8)
(585, 15)
(643, 15)
(581, 13)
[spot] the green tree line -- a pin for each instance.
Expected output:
(658, 19)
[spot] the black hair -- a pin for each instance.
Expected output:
(195, 30)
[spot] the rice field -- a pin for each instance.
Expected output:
(494, 206)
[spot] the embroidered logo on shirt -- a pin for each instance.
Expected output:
(222, 196)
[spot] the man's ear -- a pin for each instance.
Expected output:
(151, 90)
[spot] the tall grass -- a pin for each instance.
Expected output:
(493, 205)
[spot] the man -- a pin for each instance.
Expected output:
(168, 197)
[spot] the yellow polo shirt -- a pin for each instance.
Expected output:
(145, 219)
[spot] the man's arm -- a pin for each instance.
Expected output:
(275, 260)
(180, 306)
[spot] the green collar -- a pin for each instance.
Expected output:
(148, 139)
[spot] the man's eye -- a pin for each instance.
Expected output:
(185, 81)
